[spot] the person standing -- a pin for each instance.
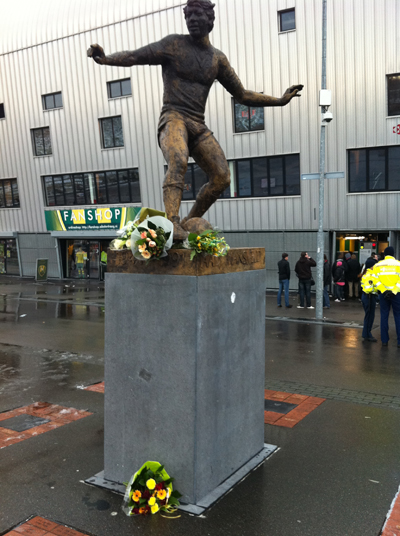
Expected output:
(384, 279)
(303, 271)
(339, 280)
(284, 279)
(327, 282)
(368, 299)
(353, 271)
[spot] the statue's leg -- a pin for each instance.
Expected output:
(174, 146)
(210, 157)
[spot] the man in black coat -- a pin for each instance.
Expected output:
(303, 271)
(352, 276)
(284, 278)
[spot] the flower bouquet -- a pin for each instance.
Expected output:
(124, 234)
(152, 238)
(150, 491)
(208, 243)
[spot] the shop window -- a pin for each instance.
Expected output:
(2, 113)
(41, 141)
(119, 88)
(287, 20)
(195, 178)
(52, 101)
(111, 132)
(94, 188)
(393, 94)
(268, 176)
(248, 118)
(9, 196)
(374, 169)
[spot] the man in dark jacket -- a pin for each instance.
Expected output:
(303, 271)
(327, 282)
(352, 276)
(284, 278)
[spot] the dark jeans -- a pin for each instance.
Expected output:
(326, 301)
(339, 291)
(284, 285)
(305, 289)
(369, 304)
(385, 305)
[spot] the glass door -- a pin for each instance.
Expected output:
(12, 257)
(94, 259)
(2, 256)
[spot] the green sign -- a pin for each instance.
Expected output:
(90, 219)
(41, 269)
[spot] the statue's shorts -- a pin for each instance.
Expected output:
(197, 130)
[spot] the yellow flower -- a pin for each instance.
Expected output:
(198, 238)
(151, 483)
(152, 501)
(155, 509)
(136, 496)
(162, 494)
(142, 510)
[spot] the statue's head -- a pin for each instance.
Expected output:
(200, 16)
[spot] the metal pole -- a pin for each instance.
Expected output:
(320, 239)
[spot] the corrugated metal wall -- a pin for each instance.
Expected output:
(275, 244)
(362, 49)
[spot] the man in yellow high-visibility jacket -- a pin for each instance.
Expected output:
(384, 279)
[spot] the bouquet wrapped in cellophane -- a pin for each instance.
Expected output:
(150, 491)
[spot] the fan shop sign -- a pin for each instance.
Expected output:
(91, 219)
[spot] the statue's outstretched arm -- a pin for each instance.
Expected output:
(147, 55)
(231, 82)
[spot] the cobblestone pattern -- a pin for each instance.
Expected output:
(304, 406)
(331, 393)
(39, 526)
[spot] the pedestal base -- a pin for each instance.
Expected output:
(199, 508)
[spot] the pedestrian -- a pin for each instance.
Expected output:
(353, 271)
(284, 279)
(303, 271)
(339, 280)
(384, 279)
(369, 301)
(327, 282)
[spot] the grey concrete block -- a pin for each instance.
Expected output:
(184, 376)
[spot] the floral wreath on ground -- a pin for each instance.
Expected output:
(150, 491)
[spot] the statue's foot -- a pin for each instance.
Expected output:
(179, 233)
(196, 225)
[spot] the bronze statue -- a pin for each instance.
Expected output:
(190, 65)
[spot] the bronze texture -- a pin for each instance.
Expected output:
(178, 262)
(190, 65)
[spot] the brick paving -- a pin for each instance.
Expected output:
(392, 525)
(96, 388)
(57, 415)
(331, 393)
(39, 526)
(304, 406)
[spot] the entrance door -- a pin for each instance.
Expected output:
(9, 257)
(94, 259)
(83, 259)
(2, 256)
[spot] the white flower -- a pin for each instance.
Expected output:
(128, 243)
(118, 244)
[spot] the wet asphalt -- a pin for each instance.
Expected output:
(335, 473)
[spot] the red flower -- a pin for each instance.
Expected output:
(136, 511)
(160, 486)
(146, 494)
(163, 503)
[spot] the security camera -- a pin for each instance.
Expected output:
(327, 117)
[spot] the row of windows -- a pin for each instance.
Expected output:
(97, 188)
(375, 169)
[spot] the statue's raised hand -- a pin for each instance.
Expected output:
(292, 91)
(97, 53)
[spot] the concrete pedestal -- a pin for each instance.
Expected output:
(184, 376)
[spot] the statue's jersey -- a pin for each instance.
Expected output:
(188, 70)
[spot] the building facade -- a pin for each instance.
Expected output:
(78, 141)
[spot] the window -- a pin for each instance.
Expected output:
(2, 114)
(9, 196)
(94, 188)
(111, 132)
(51, 101)
(41, 141)
(119, 88)
(287, 20)
(247, 118)
(393, 89)
(195, 178)
(374, 170)
(268, 176)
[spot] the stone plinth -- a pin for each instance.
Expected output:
(184, 369)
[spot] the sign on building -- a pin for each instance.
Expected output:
(90, 219)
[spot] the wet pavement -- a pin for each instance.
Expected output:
(336, 472)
